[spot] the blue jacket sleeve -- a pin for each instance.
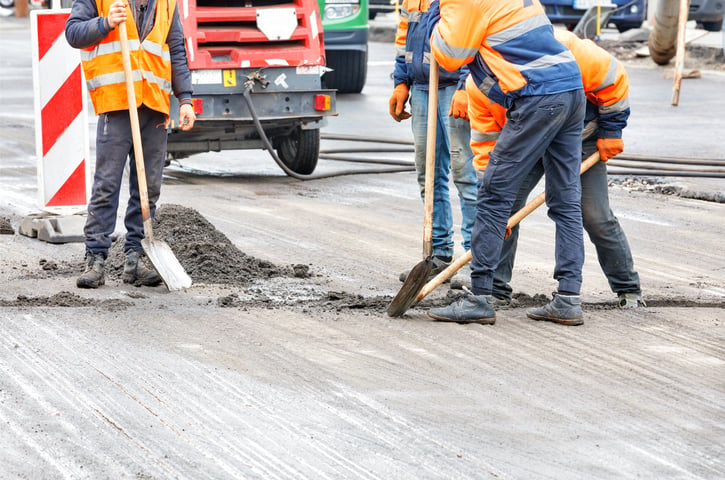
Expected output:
(180, 74)
(84, 27)
(612, 124)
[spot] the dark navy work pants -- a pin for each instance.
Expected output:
(114, 146)
(547, 127)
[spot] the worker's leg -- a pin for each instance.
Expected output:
(153, 137)
(605, 232)
(113, 144)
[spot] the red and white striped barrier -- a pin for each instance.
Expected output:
(61, 119)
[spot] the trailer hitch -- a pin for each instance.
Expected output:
(254, 77)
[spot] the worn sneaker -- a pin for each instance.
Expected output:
(563, 309)
(93, 276)
(136, 273)
(462, 278)
(631, 300)
(439, 264)
(467, 309)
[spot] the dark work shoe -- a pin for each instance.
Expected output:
(563, 309)
(461, 279)
(631, 300)
(467, 309)
(504, 302)
(93, 276)
(439, 264)
(137, 273)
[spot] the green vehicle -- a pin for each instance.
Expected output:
(345, 23)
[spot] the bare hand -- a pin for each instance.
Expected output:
(187, 117)
(117, 14)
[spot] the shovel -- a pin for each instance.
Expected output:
(419, 274)
(464, 259)
(158, 252)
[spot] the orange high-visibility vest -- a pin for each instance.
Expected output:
(150, 63)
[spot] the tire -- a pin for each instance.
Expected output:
(713, 26)
(300, 150)
(350, 67)
(7, 3)
(623, 27)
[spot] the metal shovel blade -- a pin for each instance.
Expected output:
(409, 291)
(166, 263)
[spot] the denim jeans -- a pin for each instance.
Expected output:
(114, 145)
(549, 128)
(454, 155)
(613, 252)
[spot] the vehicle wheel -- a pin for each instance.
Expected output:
(300, 150)
(713, 26)
(7, 3)
(623, 27)
(350, 67)
(372, 15)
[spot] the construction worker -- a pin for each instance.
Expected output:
(453, 150)
(515, 59)
(607, 89)
(158, 58)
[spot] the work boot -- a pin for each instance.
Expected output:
(93, 276)
(439, 264)
(467, 309)
(631, 300)
(563, 309)
(462, 279)
(504, 302)
(137, 273)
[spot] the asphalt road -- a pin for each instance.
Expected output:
(142, 383)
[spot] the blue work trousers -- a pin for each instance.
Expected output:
(454, 155)
(546, 127)
(114, 146)
(605, 232)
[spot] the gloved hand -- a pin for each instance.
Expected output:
(459, 105)
(397, 102)
(609, 148)
(508, 232)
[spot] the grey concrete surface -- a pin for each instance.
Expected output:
(143, 383)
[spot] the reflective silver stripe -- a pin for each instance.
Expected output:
(517, 30)
(408, 57)
(589, 129)
(399, 51)
(403, 13)
(486, 86)
(426, 58)
(547, 61)
(611, 75)
(413, 17)
(477, 136)
(119, 77)
(115, 47)
(619, 106)
(449, 51)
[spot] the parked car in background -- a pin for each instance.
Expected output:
(708, 13)
(345, 24)
(380, 6)
(627, 14)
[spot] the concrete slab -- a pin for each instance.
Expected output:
(53, 228)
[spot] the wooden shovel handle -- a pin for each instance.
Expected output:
(430, 158)
(135, 133)
(514, 220)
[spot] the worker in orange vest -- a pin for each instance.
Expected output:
(160, 67)
(606, 86)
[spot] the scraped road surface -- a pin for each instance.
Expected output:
(146, 384)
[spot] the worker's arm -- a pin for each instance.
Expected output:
(487, 119)
(180, 74)
(85, 27)
(458, 35)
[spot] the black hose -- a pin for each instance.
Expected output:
(382, 161)
(290, 172)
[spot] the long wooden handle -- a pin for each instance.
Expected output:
(135, 133)
(514, 220)
(430, 158)
(680, 51)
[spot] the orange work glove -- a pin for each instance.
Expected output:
(508, 232)
(609, 148)
(459, 105)
(397, 102)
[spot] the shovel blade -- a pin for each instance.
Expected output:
(413, 284)
(166, 263)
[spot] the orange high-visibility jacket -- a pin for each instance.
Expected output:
(606, 86)
(511, 42)
(150, 63)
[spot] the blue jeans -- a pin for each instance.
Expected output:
(613, 252)
(114, 144)
(546, 127)
(454, 155)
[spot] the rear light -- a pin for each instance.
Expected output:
(198, 106)
(322, 103)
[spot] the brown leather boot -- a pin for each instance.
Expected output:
(93, 276)
(137, 273)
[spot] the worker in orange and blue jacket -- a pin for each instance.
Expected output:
(513, 56)
(453, 134)
(606, 86)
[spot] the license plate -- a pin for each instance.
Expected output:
(587, 4)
